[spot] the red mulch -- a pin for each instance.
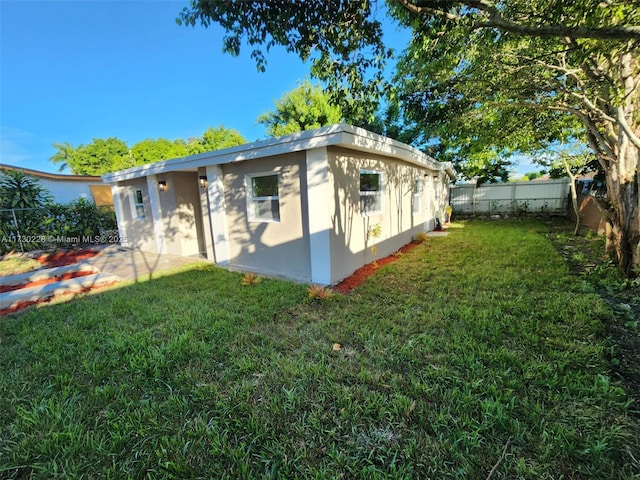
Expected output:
(44, 281)
(22, 305)
(50, 260)
(358, 277)
(62, 258)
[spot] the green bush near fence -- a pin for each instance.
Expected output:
(30, 220)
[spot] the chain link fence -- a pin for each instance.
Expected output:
(72, 225)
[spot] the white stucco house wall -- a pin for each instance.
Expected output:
(68, 188)
(297, 206)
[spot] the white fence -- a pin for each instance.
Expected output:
(548, 196)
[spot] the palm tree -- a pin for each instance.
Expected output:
(62, 156)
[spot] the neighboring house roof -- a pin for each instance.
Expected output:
(340, 135)
(53, 176)
(66, 188)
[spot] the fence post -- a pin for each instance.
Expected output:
(15, 222)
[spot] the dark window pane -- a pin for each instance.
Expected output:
(266, 186)
(369, 182)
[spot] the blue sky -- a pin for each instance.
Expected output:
(72, 71)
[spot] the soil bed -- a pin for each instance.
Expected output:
(62, 258)
(22, 305)
(358, 277)
(44, 281)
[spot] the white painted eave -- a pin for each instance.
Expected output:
(341, 135)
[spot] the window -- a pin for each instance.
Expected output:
(417, 195)
(371, 193)
(138, 205)
(263, 203)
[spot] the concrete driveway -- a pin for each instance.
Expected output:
(133, 264)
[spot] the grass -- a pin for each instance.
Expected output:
(473, 353)
(12, 265)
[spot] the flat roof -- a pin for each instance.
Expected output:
(53, 176)
(343, 135)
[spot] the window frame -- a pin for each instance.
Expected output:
(251, 199)
(138, 204)
(416, 196)
(381, 192)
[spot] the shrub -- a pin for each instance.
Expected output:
(30, 220)
(320, 293)
(421, 237)
(250, 279)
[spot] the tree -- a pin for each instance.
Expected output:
(304, 108)
(62, 156)
(572, 160)
(104, 156)
(98, 157)
(22, 200)
(215, 139)
(514, 90)
(479, 76)
(154, 150)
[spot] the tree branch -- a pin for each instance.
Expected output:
(495, 20)
(412, 7)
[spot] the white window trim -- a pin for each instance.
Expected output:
(135, 204)
(381, 193)
(250, 198)
(416, 208)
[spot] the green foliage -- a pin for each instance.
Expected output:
(30, 220)
(373, 233)
(104, 156)
(480, 341)
(19, 190)
(304, 108)
(215, 138)
(23, 202)
(80, 218)
(154, 150)
(95, 158)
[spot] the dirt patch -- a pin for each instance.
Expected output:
(62, 258)
(44, 281)
(587, 260)
(358, 277)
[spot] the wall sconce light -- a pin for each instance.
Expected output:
(203, 181)
(162, 185)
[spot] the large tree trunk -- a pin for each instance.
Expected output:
(622, 189)
(622, 128)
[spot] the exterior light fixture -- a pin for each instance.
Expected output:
(203, 181)
(162, 185)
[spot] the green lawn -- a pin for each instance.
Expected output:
(472, 355)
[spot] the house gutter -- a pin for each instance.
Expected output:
(341, 135)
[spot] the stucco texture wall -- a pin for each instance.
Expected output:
(350, 247)
(181, 214)
(139, 233)
(281, 247)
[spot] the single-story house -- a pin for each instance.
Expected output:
(67, 188)
(299, 206)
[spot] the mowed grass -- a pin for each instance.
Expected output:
(14, 264)
(472, 356)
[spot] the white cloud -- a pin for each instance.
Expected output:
(14, 146)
